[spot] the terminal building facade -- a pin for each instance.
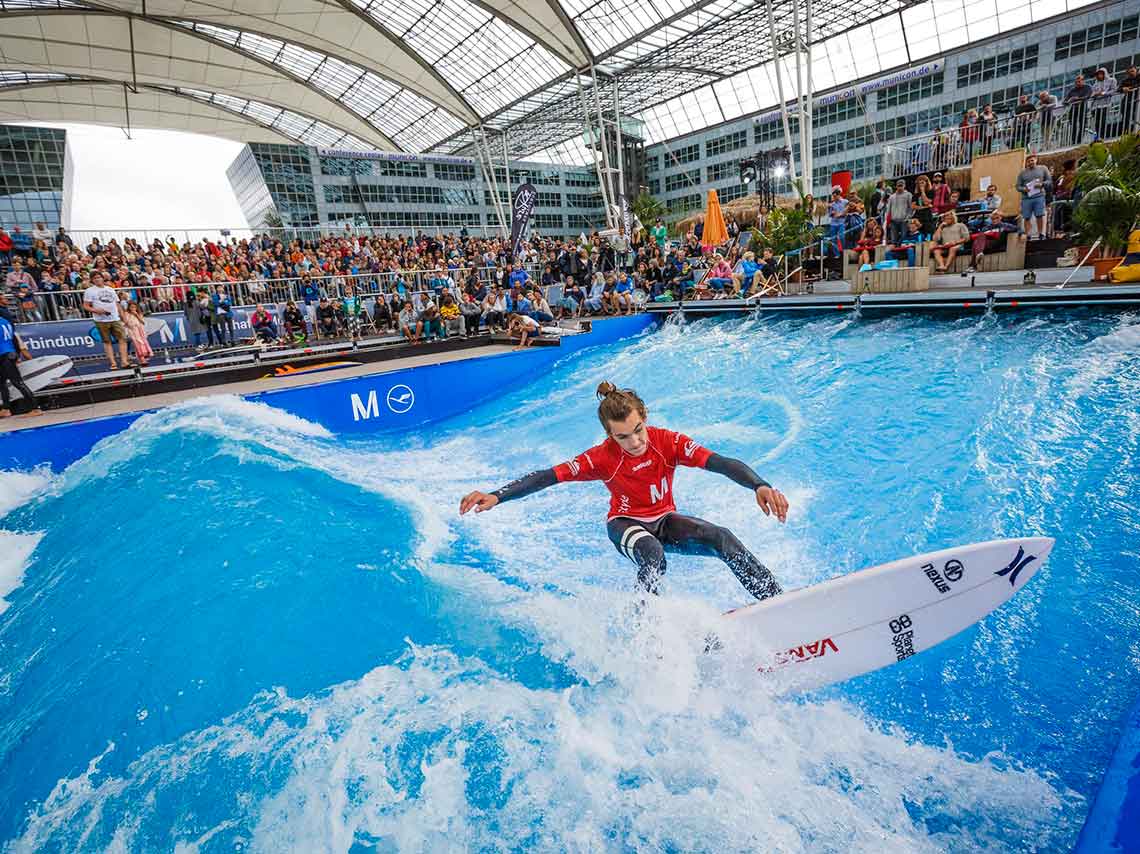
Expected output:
(311, 187)
(35, 177)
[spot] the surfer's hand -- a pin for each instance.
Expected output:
(772, 501)
(479, 501)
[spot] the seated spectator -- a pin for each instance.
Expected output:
(595, 302)
(950, 237)
(571, 300)
(908, 246)
(720, 276)
(295, 326)
(472, 313)
(430, 321)
(869, 241)
(382, 317)
(990, 236)
(540, 308)
(449, 314)
(327, 323)
(410, 325)
(522, 327)
(623, 293)
(991, 201)
(494, 307)
(264, 328)
(748, 273)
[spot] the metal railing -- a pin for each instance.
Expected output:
(66, 305)
(1047, 128)
(146, 236)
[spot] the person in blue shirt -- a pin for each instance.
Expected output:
(909, 243)
(11, 350)
(623, 294)
(517, 276)
(223, 314)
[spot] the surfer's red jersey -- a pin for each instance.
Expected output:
(640, 487)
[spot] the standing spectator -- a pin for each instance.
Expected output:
(353, 311)
(968, 131)
(1033, 182)
(923, 204)
(29, 305)
(205, 307)
(1128, 87)
(1103, 88)
(12, 349)
(5, 247)
(1047, 106)
(17, 277)
(940, 196)
(21, 242)
(659, 233)
(135, 324)
(1076, 99)
(988, 121)
(1023, 116)
(1065, 198)
(837, 219)
(879, 198)
(50, 288)
(103, 303)
(223, 314)
(900, 207)
(294, 320)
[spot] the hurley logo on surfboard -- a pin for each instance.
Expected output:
(1016, 565)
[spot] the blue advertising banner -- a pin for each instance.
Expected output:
(81, 338)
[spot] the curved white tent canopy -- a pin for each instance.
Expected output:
(57, 98)
(82, 44)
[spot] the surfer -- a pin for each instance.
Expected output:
(637, 462)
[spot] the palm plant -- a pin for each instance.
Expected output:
(1109, 176)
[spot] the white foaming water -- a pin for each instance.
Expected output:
(601, 771)
(661, 747)
(16, 489)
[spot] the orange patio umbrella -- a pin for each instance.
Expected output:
(716, 232)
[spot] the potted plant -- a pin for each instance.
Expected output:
(1109, 210)
(787, 229)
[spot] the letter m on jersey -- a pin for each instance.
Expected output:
(654, 495)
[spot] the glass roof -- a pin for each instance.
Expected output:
(491, 62)
(299, 128)
(679, 65)
(411, 121)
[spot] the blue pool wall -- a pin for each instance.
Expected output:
(378, 403)
(444, 390)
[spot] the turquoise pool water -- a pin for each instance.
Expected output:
(228, 629)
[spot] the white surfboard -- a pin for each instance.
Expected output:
(857, 623)
(42, 371)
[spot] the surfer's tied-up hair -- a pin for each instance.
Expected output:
(617, 404)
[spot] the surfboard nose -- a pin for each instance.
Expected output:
(1040, 546)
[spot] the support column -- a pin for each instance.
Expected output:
(780, 90)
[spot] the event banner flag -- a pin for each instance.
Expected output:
(521, 210)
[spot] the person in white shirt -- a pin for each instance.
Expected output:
(103, 303)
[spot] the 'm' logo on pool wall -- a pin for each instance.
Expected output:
(1016, 565)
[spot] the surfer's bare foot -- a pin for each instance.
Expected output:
(32, 412)
(5, 413)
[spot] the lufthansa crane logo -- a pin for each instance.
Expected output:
(400, 398)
